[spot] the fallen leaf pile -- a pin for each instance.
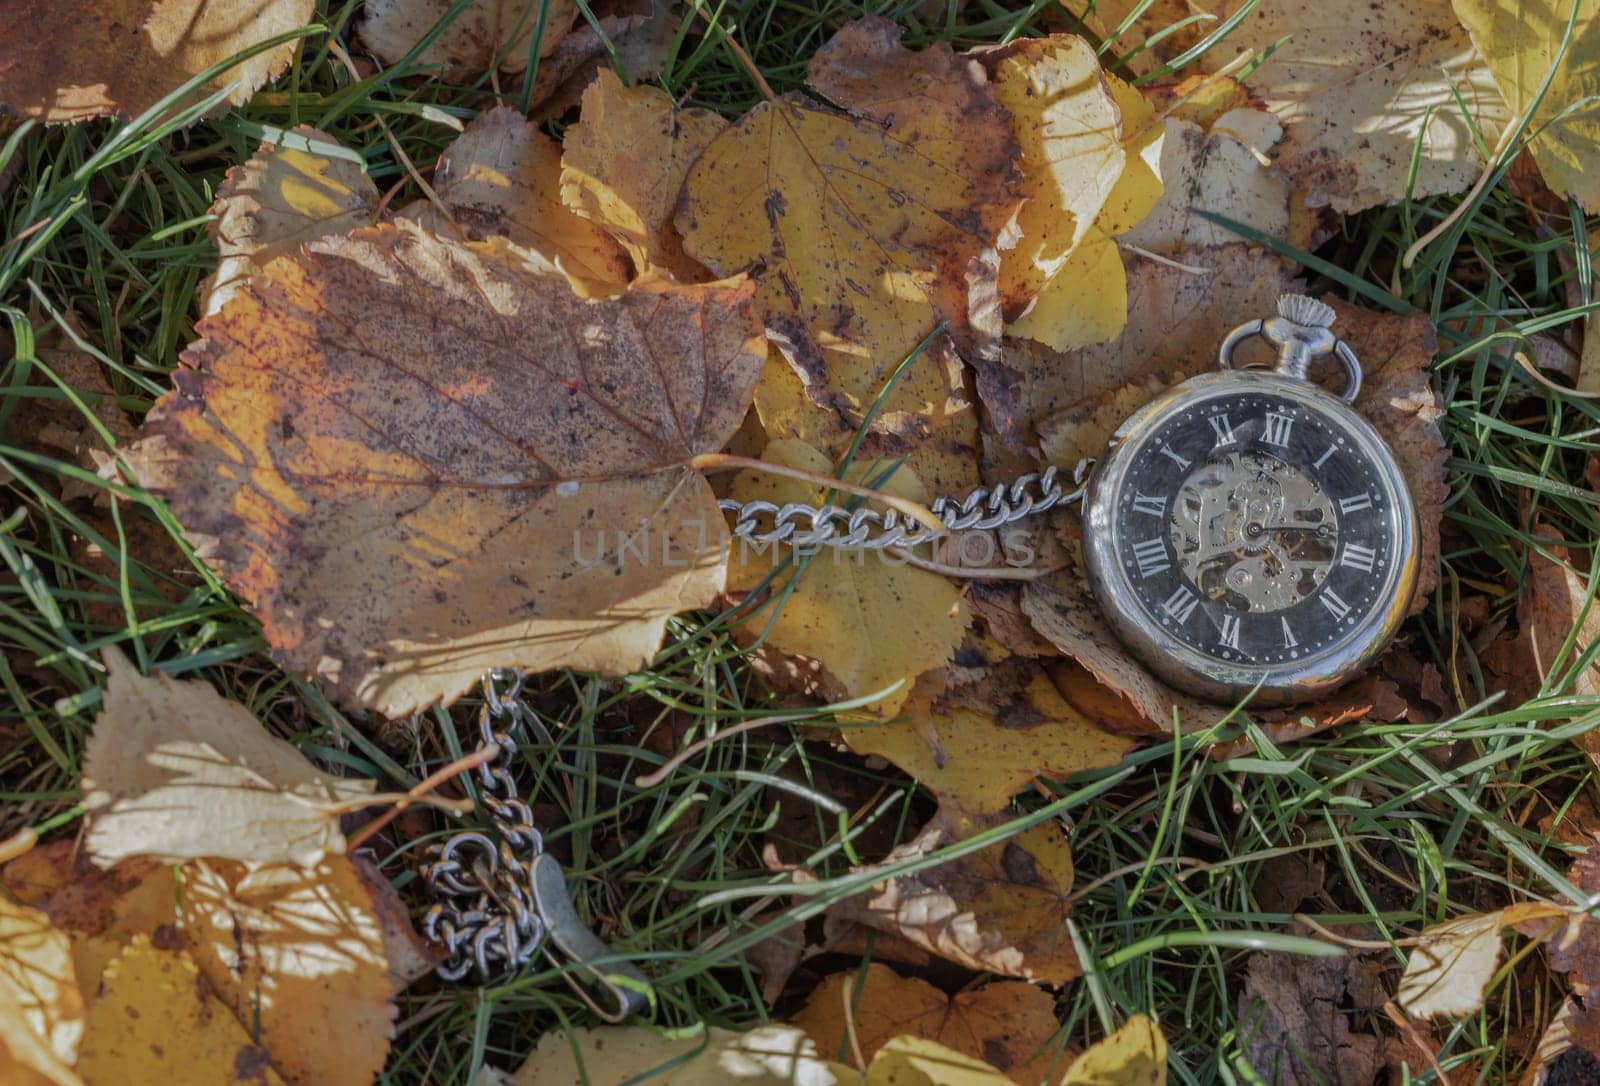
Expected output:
(211, 929)
(471, 429)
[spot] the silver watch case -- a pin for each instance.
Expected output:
(1181, 665)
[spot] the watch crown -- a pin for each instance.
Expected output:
(1305, 311)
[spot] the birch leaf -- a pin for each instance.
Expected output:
(1135, 1055)
(408, 454)
(175, 771)
(41, 1009)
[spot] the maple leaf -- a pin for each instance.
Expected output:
(624, 163)
(154, 1020)
(612, 1055)
(870, 621)
(1522, 43)
(120, 57)
(41, 1007)
(999, 909)
(1358, 93)
(483, 36)
(978, 736)
(1135, 1054)
(1007, 1024)
(300, 955)
(501, 178)
(867, 227)
(1090, 147)
(175, 771)
(408, 453)
(295, 189)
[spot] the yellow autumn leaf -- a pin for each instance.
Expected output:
(1091, 146)
(41, 1010)
(1135, 1055)
(869, 619)
(299, 953)
(1521, 40)
(624, 163)
(155, 1021)
(502, 178)
(867, 226)
(915, 1061)
(613, 1055)
(1007, 1024)
(982, 738)
(176, 771)
(297, 188)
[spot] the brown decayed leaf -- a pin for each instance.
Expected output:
(302, 187)
(1006, 1024)
(175, 771)
(864, 228)
(487, 34)
(502, 178)
(1358, 86)
(870, 620)
(51, 423)
(1568, 1054)
(74, 60)
(624, 163)
(391, 452)
(302, 953)
(1219, 168)
(41, 1009)
(1396, 353)
(632, 42)
(999, 910)
(1176, 318)
(155, 1020)
(979, 738)
(1293, 1027)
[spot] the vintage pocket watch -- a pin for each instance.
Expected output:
(1247, 531)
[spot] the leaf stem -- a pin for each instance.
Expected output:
(915, 510)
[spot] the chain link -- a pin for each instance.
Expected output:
(483, 912)
(986, 508)
(486, 890)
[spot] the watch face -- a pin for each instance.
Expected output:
(1257, 528)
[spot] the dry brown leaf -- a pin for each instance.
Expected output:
(49, 422)
(981, 735)
(864, 228)
(301, 187)
(624, 163)
(1294, 1027)
(631, 42)
(74, 60)
(1176, 318)
(502, 178)
(1358, 86)
(1006, 1024)
(1221, 168)
(869, 619)
(41, 1009)
(405, 455)
(154, 1020)
(487, 34)
(301, 953)
(175, 771)
(998, 910)
(1568, 1054)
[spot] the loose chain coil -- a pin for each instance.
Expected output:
(486, 890)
